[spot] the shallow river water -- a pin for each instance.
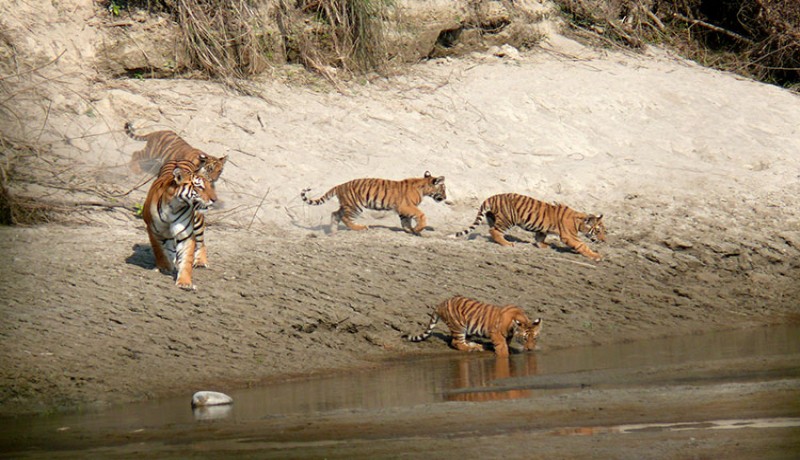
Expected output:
(449, 376)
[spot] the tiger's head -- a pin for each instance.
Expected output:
(434, 187)
(194, 188)
(518, 325)
(593, 228)
(212, 166)
(530, 333)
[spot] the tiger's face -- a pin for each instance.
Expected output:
(434, 187)
(214, 166)
(195, 188)
(530, 333)
(593, 228)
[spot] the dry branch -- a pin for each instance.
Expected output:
(714, 28)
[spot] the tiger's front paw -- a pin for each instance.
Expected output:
(186, 286)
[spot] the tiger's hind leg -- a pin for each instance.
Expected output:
(459, 342)
(347, 215)
(498, 235)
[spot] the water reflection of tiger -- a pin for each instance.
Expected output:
(466, 316)
(473, 378)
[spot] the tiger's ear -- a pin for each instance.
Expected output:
(223, 160)
(427, 174)
(177, 173)
(438, 180)
(600, 217)
(203, 158)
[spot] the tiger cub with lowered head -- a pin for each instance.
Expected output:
(164, 146)
(180, 192)
(509, 209)
(382, 195)
(466, 316)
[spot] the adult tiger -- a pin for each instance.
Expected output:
(466, 316)
(180, 192)
(382, 195)
(509, 209)
(164, 146)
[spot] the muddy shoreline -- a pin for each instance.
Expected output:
(89, 323)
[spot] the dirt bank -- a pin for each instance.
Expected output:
(87, 322)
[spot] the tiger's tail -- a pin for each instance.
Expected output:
(318, 201)
(427, 333)
(131, 132)
(485, 207)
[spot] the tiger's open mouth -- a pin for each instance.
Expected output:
(202, 207)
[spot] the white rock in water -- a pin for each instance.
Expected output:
(210, 398)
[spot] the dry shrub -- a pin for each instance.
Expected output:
(343, 34)
(757, 38)
(19, 210)
(222, 37)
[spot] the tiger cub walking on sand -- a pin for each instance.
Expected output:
(382, 195)
(164, 146)
(466, 316)
(509, 209)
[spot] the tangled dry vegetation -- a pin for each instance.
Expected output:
(756, 38)
(231, 40)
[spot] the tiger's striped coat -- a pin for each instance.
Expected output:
(465, 317)
(178, 195)
(509, 209)
(164, 146)
(402, 196)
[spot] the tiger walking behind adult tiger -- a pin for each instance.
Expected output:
(164, 146)
(509, 209)
(465, 317)
(402, 196)
(179, 193)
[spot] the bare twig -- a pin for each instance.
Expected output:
(258, 207)
(53, 61)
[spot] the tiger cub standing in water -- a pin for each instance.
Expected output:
(466, 316)
(179, 193)
(165, 146)
(382, 195)
(509, 209)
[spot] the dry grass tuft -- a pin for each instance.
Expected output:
(222, 37)
(325, 35)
